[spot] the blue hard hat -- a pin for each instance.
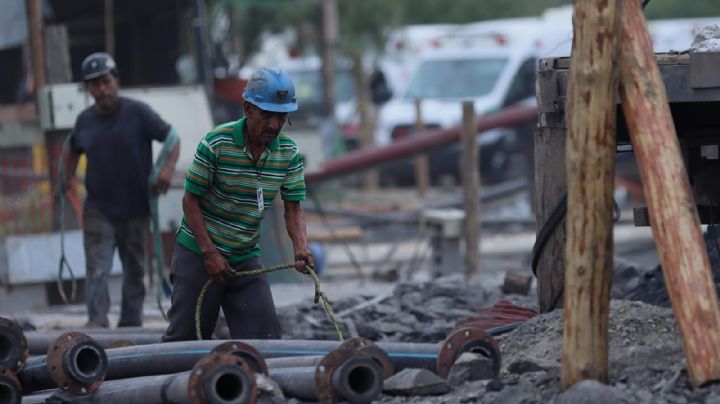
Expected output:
(271, 90)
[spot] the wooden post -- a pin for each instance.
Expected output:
(673, 213)
(57, 69)
(471, 188)
(591, 120)
(330, 34)
(35, 28)
(57, 50)
(550, 178)
(110, 27)
(422, 165)
(370, 178)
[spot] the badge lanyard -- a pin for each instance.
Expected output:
(259, 189)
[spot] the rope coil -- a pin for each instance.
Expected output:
(319, 296)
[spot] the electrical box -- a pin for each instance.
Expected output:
(445, 227)
(60, 104)
(446, 222)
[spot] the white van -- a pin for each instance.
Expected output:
(492, 64)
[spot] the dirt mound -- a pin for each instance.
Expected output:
(646, 364)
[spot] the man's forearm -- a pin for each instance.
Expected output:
(70, 164)
(295, 224)
(193, 215)
(169, 154)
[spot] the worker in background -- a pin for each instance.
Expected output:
(237, 171)
(116, 137)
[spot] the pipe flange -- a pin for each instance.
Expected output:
(10, 386)
(324, 371)
(206, 373)
(467, 339)
(366, 347)
(248, 352)
(77, 363)
(13, 345)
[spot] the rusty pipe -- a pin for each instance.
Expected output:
(74, 362)
(13, 345)
(408, 147)
(216, 378)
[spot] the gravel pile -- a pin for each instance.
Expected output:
(414, 312)
(646, 364)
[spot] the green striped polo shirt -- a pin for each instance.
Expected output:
(225, 178)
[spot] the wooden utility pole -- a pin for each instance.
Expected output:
(471, 189)
(35, 29)
(673, 213)
(330, 32)
(422, 165)
(370, 178)
(110, 27)
(57, 70)
(591, 120)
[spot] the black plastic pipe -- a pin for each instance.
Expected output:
(294, 361)
(38, 342)
(357, 380)
(13, 345)
(173, 357)
(225, 384)
(83, 364)
(10, 392)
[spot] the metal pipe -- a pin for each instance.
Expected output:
(13, 345)
(433, 139)
(74, 362)
(10, 392)
(38, 342)
(216, 378)
(356, 380)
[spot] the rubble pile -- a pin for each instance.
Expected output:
(414, 312)
(649, 285)
(646, 364)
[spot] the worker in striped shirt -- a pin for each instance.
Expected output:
(237, 171)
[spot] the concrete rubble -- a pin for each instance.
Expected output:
(413, 312)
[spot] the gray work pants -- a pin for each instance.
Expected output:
(101, 237)
(246, 301)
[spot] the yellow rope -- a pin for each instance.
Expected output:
(319, 295)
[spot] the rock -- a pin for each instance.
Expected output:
(495, 385)
(522, 392)
(471, 366)
(268, 391)
(712, 398)
(521, 366)
(416, 382)
(592, 392)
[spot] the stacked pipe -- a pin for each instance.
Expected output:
(215, 378)
(326, 371)
(13, 355)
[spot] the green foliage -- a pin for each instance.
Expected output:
(364, 22)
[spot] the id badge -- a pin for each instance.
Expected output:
(260, 199)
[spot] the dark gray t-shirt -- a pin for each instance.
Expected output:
(118, 149)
